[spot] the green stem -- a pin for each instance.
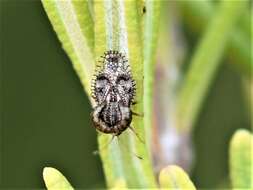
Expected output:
(205, 62)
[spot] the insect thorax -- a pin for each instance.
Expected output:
(113, 82)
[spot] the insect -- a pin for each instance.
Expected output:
(113, 89)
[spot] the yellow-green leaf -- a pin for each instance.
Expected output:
(205, 62)
(118, 27)
(54, 180)
(73, 25)
(173, 177)
(197, 15)
(241, 157)
(150, 36)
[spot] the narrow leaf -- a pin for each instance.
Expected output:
(117, 27)
(54, 180)
(173, 177)
(206, 61)
(197, 15)
(151, 26)
(241, 148)
(73, 25)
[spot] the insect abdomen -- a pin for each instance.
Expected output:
(112, 114)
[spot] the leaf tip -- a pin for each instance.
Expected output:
(54, 180)
(50, 175)
(240, 136)
(173, 176)
(241, 159)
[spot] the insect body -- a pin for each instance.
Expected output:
(113, 90)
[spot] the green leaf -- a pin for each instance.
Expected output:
(118, 27)
(86, 30)
(173, 177)
(73, 25)
(205, 62)
(241, 148)
(150, 32)
(197, 15)
(54, 180)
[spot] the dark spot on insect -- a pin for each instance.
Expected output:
(114, 59)
(144, 9)
(113, 91)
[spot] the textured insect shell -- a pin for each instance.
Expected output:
(112, 70)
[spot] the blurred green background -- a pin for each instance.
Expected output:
(45, 113)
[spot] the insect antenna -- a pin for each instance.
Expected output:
(96, 152)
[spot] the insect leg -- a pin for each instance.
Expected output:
(138, 114)
(134, 103)
(139, 157)
(104, 146)
(137, 135)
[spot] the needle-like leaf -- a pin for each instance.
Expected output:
(73, 25)
(241, 149)
(205, 62)
(54, 180)
(173, 177)
(118, 27)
